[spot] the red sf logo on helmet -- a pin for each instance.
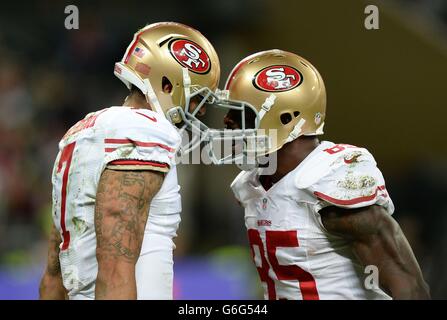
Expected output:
(277, 79)
(190, 55)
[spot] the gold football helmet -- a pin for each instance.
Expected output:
(287, 94)
(169, 52)
(286, 90)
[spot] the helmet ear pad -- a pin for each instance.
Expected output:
(286, 117)
(166, 85)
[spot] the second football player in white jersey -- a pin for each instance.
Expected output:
(324, 215)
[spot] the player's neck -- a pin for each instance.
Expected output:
(136, 101)
(292, 154)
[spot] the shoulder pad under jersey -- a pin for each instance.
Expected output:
(136, 136)
(243, 186)
(344, 176)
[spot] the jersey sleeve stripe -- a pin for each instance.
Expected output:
(138, 162)
(348, 201)
(383, 192)
(139, 143)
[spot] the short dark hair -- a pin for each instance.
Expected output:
(136, 91)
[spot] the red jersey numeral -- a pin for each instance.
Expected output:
(263, 270)
(66, 157)
(338, 148)
(275, 239)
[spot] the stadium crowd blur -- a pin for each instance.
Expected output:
(51, 77)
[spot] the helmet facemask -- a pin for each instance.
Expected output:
(244, 145)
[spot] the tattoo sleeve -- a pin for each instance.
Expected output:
(51, 286)
(378, 240)
(121, 212)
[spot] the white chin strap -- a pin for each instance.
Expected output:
(266, 106)
(151, 98)
(320, 129)
(186, 78)
(130, 78)
(296, 132)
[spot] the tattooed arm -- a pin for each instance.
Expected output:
(51, 287)
(378, 240)
(121, 212)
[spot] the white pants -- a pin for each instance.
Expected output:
(154, 271)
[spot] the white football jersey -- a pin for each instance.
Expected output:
(124, 138)
(295, 256)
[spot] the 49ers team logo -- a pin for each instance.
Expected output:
(190, 55)
(277, 78)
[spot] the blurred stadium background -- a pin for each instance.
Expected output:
(386, 91)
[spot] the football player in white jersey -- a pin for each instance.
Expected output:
(116, 201)
(321, 223)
